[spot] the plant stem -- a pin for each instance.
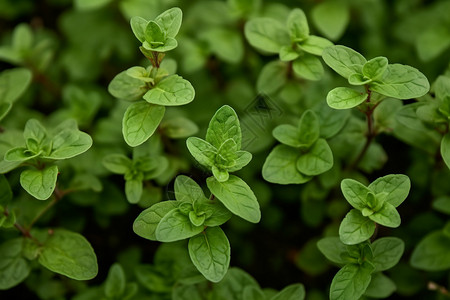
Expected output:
(57, 195)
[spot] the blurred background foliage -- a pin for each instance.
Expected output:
(75, 47)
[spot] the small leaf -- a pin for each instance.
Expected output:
(219, 174)
(396, 186)
(40, 183)
(272, 77)
(175, 226)
(331, 18)
(387, 216)
(170, 21)
(69, 143)
(171, 91)
(317, 160)
(210, 253)
(138, 26)
(355, 193)
(126, 87)
(343, 98)
(281, 166)
(237, 196)
(351, 282)
(266, 34)
(115, 282)
(242, 159)
(154, 35)
(358, 79)
(224, 125)
(375, 67)
(314, 45)
(195, 219)
(355, 228)
(117, 163)
(291, 292)
(387, 252)
(133, 190)
(35, 130)
(297, 25)
(288, 135)
(20, 154)
(333, 249)
(13, 83)
(70, 254)
(147, 221)
(202, 151)
(178, 128)
(380, 286)
(432, 253)
(14, 267)
(308, 67)
(140, 121)
(187, 190)
(343, 60)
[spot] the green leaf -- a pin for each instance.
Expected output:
(432, 253)
(35, 131)
(176, 226)
(219, 174)
(70, 254)
(133, 190)
(233, 284)
(115, 282)
(314, 45)
(242, 159)
(187, 190)
(380, 286)
(331, 18)
(355, 228)
(281, 166)
(445, 149)
(401, 82)
(266, 34)
(351, 282)
(297, 25)
(272, 77)
(253, 293)
(14, 267)
(126, 87)
(178, 128)
(140, 122)
(154, 34)
(317, 160)
(224, 125)
(309, 128)
(358, 79)
(13, 83)
(288, 53)
(396, 186)
(294, 291)
(170, 21)
(20, 154)
(343, 60)
(433, 41)
(138, 26)
(147, 221)
(5, 108)
(375, 67)
(441, 204)
(225, 43)
(288, 135)
(117, 163)
(40, 183)
(202, 151)
(387, 252)
(69, 143)
(196, 220)
(355, 193)
(237, 196)
(171, 91)
(90, 5)
(387, 216)
(210, 253)
(343, 98)
(5, 191)
(308, 67)
(333, 249)
(22, 39)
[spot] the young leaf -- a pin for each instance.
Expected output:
(115, 282)
(224, 125)
(35, 130)
(358, 79)
(133, 190)
(39, 183)
(317, 160)
(171, 91)
(292, 292)
(314, 45)
(210, 253)
(140, 121)
(219, 174)
(147, 221)
(117, 163)
(69, 143)
(396, 186)
(281, 166)
(308, 67)
(237, 196)
(401, 82)
(375, 67)
(387, 252)
(14, 267)
(266, 34)
(175, 226)
(154, 35)
(202, 151)
(333, 249)
(387, 216)
(20, 154)
(126, 87)
(187, 190)
(297, 25)
(355, 228)
(351, 282)
(380, 286)
(170, 21)
(242, 159)
(432, 253)
(138, 26)
(288, 135)
(343, 60)
(355, 193)
(343, 98)
(216, 213)
(70, 254)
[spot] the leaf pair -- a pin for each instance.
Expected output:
(221, 152)
(362, 267)
(390, 80)
(136, 171)
(303, 153)
(373, 204)
(291, 41)
(63, 142)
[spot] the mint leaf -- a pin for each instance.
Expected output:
(343, 60)
(387, 252)
(224, 125)
(292, 292)
(133, 190)
(202, 151)
(170, 21)
(147, 221)
(288, 135)
(401, 82)
(351, 282)
(432, 253)
(243, 158)
(14, 267)
(272, 77)
(117, 163)
(173, 90)
(333, 249)
(380, 286)
(308, 67)
(176, 226)
(115, 281)
(69, 143)
(210, 253)
(219, 174)
(331, 18)
(187, 190)
(358, 79)
(375, 67)
(20, 154)
(39, 183)
(355, 228)
(281, 166)
(355, 193)
(343, 98)
(314, 45)
(34, 130)
(237, 196)
(178, 127)
(396, 186)
(297, 25)
(126, 87)
(266, 34)
(13, 83)
(140, 122)
(138, 26)
(70, 254)
(387, 216)
(317, 160)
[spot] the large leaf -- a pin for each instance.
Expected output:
(14, 267)
(69, 143)
(355, 193)
(224, 125)
(147, 221)
(333, 249)
(70, 254)
(355, 228)
(343, 60)
(317, 160)
(170, 21)
(387, 252)
(432, 253)
(233, 284)
(117, 163)
(266, 34)
(396, 186)
(308, 67)
(13, 83)
(210, 253)
(202, 151)
(344, 98)
(171, 91)
(331, 18)
(187, 190)
(351, 282)
(115, 282)
(40, 183)
(380, 286)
